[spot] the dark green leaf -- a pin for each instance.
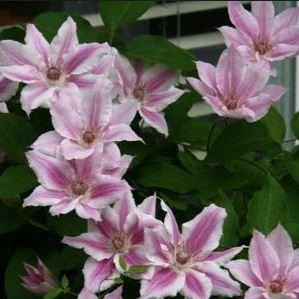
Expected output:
(54, 293)
(237, 140)
(16, 180)
(16, 134)
(49, 22)
(190, 162)
(159, 50)
(275, 125)
(165, 176)
(295, 124)
(267, 206)
(14, 33)
(293, 168)
(10, 219)
(15, 269)
(174, 200)
(118, 13)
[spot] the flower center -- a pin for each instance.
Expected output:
(276, 287)
(89, 137)
(119, 242)
(182, 257)
(79, 188)
(139, 92)
(231, 104)
(262, 47)
(53, 73)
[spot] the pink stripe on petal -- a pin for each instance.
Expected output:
(154, 119)
(171, 224)
(93, 244)
(83, 81)
(135, 256)
(120, 132)
(109, 224)
(281, 51)
(21, 73)
(165, 282)
(202, 234)
(124, 207)
(126, 72)
(243, 19)
(262, 257)
(222, 257)
(52, 173)
(197, 285)
(35, 40)
(96, 272)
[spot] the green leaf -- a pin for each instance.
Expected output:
(15, 270)
(49, 22)
(231, 224)
(293, 168)
(14, 33)
(16, 180)
(118, 13)
(138, 269)
(174, 200)
(10, 219)
(165, 176)
(267, 206)
(54, 293)
(275, 125)
(159, 50)
(123, 264)
(16, 134)
(295, 124)
(190, 162)
(237, 140)
(68, 225)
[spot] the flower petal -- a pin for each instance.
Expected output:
(262, 257)
(241, 270)
(96, 272)
(292, 283)
(275, 92)
(165, 282)
(21, 73)
(289, 36)
(82, 59)
(148, 206)
(36, 95)
(65, 41)
(86, 212)
(256, 293)
(124, 207)
(72, 150)
(243, 19)
(160, 100)
(135, 256)
(43, 197)
(200, 87)
(86, 294)
(202, 234)
(123, 113)
(234, 37)
(171, 224)
(51, 173)
(207, 73)
(155, 119)
(197, 285)
(120, 132)
(35, 40)
(3, 109)
(8, 89)
(116, 294)
(282, 51)
(64, 207)
(283, 246)
(288, 17)
(223, 257)
(126, 73)
(93, 244)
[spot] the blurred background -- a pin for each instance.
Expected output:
(191, 25)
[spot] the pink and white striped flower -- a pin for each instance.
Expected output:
(235, 88)
(260, 35)
(150, 89)
(8, 88)
(76, 185)
(119, 236)
(185, 262)
(39, 280)
(48, 68)
(272, 271)
(88, 123)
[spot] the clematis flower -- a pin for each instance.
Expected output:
(88, 123)
(185, 262)
(116, 294)
(39, 280)
(260, 35)
(73, 185)
(150, 89)
(272, 271)
(119, 236)
(7, 90)
(48, 68)
(235, 88)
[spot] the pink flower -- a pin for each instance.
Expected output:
(185, 262)
(49, 68)
(39, 280)
(116, 294)
(88, 123)
(119, 236)
(73, 185)
(260, 35)
(7, 90)
(150, 89)
(273, 267)
(235, 88)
